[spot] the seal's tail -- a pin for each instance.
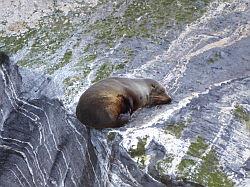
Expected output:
(4, 58)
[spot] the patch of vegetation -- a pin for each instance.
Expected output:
(147, 18)
(67, 56)
(23, 62)
(140, 148)
(87, 48)
(65, 60)
(33, 62)
(82, 67)
(53, 31)
(119, 66)
(129, 52)
(241, 113)
(111, 136)
(185, 166)
(208, 172)
(214, 58)
(175, 129)
(163, 165)
(69, 81)
(140, 151)
(90, 58)
(106, 69)
(12, 43)
(197, 148)
(50, 35)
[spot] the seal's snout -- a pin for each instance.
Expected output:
(166, 98)
(161, 100)
(169, 100)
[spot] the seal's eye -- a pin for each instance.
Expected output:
(153, 85)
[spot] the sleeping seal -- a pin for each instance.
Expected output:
(109, 103)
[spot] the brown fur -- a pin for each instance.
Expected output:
(101, 105)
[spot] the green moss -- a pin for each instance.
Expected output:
(197, 148)
(87, 48)
(90, 58)
(163, 165)
(54, 30)
(65, 60)
(208, 172)
(185, 167)
(106, 69)
(119, 66)
(140, 148)
(67, 56)
(111, 136)
(241, 113)
(82, 67)
(23, 62)
(129, 52)
(33, 62)
(12, 44)
(214, 58)
(69, 81)
(140, 151)
(175, 129)
(146, 18)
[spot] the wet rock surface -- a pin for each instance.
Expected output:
(198, 50)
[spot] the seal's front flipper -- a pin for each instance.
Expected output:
(126, 105)
(124, 118)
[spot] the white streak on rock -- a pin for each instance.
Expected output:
(25, 159)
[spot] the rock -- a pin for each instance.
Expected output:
(41, 144)
(199, 50)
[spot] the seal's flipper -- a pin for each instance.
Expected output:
(124, 118)
(127, 105)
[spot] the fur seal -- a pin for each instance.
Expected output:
(110, 102)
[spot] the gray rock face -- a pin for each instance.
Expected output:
(199, 50)
(39, 140)
(42, 145)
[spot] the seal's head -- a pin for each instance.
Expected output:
(157, 94)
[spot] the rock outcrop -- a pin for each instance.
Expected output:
(199, 50)
(42, 145)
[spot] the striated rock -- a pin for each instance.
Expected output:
(199, 50)
(42, 145)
